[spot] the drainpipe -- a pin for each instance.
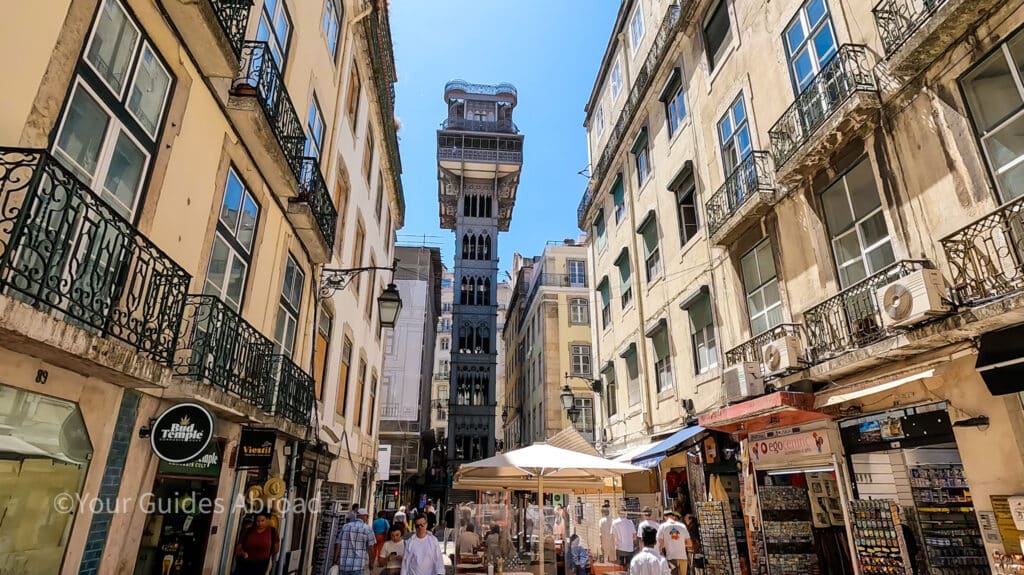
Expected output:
(366, 12)
(645, 389)
(288, 515)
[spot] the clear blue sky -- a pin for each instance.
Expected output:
(550, 50)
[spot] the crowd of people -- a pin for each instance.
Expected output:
(651, 547)
(391, 546)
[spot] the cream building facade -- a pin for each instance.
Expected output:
(802, 213)
(547, 335)
(174, 176)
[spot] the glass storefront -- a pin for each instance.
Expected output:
(44, 455)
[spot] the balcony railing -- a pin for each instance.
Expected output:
(233, 16)
(506, 126)
(750, 350)
(671, 26)
(260, 76)
(847, 73)
(581, 210)
(852, 318)
(897, 20)
(986, 258)
(65, 249)
(460, 147)
(218, 347)
(313, 192)
(753, 175)
(290, 395)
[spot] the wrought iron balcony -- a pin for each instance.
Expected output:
(986, 258)
(290, 395)
(852, 318)
(464, 148)
(669, 29)
(260, 77)
(581, 210)
(233, 16)
(313, 192)
(897, 20)
(63, 248)
(846, 74)
(218, 347)
(750, 187)
(506, 126)
(751, 349)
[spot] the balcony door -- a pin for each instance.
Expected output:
(577, 273)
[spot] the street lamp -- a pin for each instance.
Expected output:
(569, 401)
(389, 304)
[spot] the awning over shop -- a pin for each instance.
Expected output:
(779, 409)
(653, 456)
(846, 393)
(627, 455)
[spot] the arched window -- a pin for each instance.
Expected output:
(486, 241)
(488, 210)
(465, 246)
(464, 291)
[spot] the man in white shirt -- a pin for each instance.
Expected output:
(647, 521)
(673, 538)
(648, 561)
(422, 552)
(607, 539)
(624, 533)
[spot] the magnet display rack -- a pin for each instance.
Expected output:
(717, 538)
(788, 532)
(878, 537)
(952, 538)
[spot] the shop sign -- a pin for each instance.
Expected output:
(182, 433)
(783, 447)
(383, 462)
(206, 465)
(256, 448)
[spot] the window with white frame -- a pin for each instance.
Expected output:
(652, 254)
(584, 423)
(314, 130)
(599, 120)
(275, 28)
(685, 191)
(332, 24)
(231, 253)
(702, 334)
(717, 34)
(662, 359)
(580, 359)
(674, 99)
(579, 311)
(764, 305)
(445, 344)
(810, 42)
(611, 391)
(632, 377)
(636, 28)
(994, 92)
(577, 272)
(625, 279)
(642, 157)
(119, 97)
(288, 308)
(734, 136)
(856, 225)
(616, 80)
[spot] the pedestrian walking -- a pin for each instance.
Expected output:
(381, 527)
(257, 544)
(392, 552)
(449, 522)
(422, 552)
(625, 538)
(648, 561)
(354, 545)
(648, 521)
(431, 516)
(400, 516)
(673, 540)
(604, 527)
(579, 556)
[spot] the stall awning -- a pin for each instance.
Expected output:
(653, 456)
(779, 409)
(627, 455)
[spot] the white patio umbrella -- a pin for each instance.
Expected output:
(537, 467)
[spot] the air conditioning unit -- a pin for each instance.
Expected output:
(742, 380)
(912, 299)
(782, 354)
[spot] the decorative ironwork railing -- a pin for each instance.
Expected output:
(218, 347)
(260, 76)
(847, 73)
(477, 155)
(233, 16)
(290, 395)
(753, 175)
(581, 210)
(670, 27)
(64, 248)
(852, 318)
(897, 20)
(750, 350)
(482, 89)
(506, 126)
(986, 258)
(313, 192)
(378, 30)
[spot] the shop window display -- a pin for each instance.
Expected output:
(44, 453)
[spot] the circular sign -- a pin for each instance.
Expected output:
(182, 433)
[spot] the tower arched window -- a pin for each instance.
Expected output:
(465, 246)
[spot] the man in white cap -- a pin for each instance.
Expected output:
(354, 545)
(422, 552)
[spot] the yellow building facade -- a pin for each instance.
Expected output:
(175, 176)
